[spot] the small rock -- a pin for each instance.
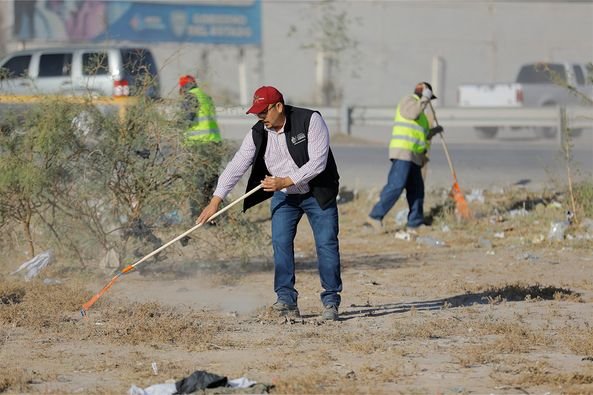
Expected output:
(484, 243)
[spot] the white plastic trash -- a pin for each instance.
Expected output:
(402, 216)
(476, 196)
(35, 265)
(557, 230)
(430, 241)
(156, 389)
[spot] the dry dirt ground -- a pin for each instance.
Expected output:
(497, 309)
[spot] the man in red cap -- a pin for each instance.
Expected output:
(410, 141)
(289, 155)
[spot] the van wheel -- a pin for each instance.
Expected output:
(546, 133)
(487, 132)
(576, 132)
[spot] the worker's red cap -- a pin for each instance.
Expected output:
(185, 79)
(263, 97)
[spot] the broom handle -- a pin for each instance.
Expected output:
(129, 268)
(251, 192)
(434, 114)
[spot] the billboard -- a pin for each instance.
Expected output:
(238, 23)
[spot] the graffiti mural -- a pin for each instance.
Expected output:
(60, 20)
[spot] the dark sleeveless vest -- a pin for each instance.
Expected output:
(324, 187)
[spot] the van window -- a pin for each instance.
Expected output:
(542, 73)
(55, 65)
(95, 63)
(578, 74)
(16, 67)
(138, 61)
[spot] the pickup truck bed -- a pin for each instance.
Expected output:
(537, 85)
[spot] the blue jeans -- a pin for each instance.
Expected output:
(287, 211)
(408, 175)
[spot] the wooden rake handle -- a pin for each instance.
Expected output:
(434, 114)
(129, 268)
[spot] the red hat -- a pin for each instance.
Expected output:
(263, 97)
(186, 79)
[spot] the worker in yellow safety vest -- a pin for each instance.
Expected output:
(202, 137)
(200, 113)
(408, 148)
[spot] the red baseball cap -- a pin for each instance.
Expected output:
(186, 79)
(263, 97)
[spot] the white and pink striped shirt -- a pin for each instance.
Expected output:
(278, 159)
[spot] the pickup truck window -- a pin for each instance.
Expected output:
(55, 65)
(95, 63)
(16, 67)
(541, 74)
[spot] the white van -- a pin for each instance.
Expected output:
(95, 71)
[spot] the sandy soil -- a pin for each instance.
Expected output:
(497, 309)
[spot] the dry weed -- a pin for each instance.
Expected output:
(52, 309)
(539, 373)
(474, 355)
(578, 340)
(38, 306)
(318, 383)
(428, 328)
(490, 330)
(152, 323)
(14, 379)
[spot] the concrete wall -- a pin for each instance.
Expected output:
(477, 41)
(398, 41)
(6, 22)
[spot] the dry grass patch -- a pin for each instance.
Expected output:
(38, 306)
(54, 309)
(14, 379)
(520, 339)
(540, 373)
(428, 328)
(578, 340)
(318, 383)
(152, 323)
(474, 355)
(364, 344)
(382, 374)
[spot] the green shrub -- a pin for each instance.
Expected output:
(583, 193)
(85, 180)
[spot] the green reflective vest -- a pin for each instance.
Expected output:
(410, 135)
(204, 128)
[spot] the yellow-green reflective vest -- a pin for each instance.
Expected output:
(410, 135)
(204, 128)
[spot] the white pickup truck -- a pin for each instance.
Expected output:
(537, 85)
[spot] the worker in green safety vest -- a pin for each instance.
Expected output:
(408, 148)
(201, 137)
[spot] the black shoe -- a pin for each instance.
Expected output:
(330, 312)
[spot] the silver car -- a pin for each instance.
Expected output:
(95, 71)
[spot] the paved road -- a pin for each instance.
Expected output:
(514, 157)
(511, 159)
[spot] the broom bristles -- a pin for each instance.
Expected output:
(460, 203)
